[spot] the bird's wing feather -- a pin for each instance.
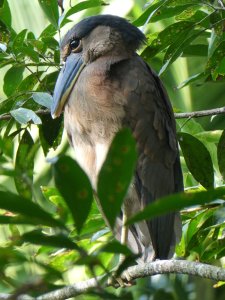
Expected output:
(149, 115)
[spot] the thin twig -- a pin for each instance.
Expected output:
(194, 114)
(39, 112)
(135, 272)
(201, 113)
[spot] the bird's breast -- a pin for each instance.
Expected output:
(93, 114)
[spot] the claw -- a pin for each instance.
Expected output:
(117, 281)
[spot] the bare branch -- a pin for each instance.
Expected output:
(135, 272)
(200, 113)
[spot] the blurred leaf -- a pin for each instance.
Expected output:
(5, 14)
(25, 166)
(17, 204)
(50, 8)
(99, 234)
(176, 202)
(221, 154)
(12, 79)
(197, 158)
(195, 50)
(75, 188)
(209, 136)
(56, 240)
(79, 7)
(116, 174)
(44, 99)
(24, 116)
(116, 248)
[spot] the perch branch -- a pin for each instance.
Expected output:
(135, 272)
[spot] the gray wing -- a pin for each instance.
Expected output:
(149, 115)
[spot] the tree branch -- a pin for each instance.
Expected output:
(194, 114)
(135, 272)
(200, 113)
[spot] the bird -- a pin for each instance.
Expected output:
(104, 86)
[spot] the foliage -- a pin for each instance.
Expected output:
(48, 229)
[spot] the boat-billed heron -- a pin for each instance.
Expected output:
(104, 86)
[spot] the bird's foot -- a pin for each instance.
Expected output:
(124, 281)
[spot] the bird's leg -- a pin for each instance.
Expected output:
(124, 234)
(124, 238)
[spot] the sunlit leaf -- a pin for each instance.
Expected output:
(50, 8)
(24, 116)
(44, 99)
(79, 7)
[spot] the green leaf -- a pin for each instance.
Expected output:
(50, 8)
(12, 79)
(31, 53)
(5, 14)
(58, 240)
(44, 99)
(116, 174)
(24, 116)
(75, 188)
(166, 37)
(17, 204)
(177, 48)
(116, 247)
(177, 202)
(18, 41)
(25, 166)
(197, 158)
(191, 79)
(29, 82)
(79, 7)
(142, 19)
(221, 154)
(50, 132)
(195, 50)
(5, 34)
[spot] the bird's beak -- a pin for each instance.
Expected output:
(65, 82)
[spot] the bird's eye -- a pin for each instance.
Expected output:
(75, 45)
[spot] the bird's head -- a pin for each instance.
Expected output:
(90, 39)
